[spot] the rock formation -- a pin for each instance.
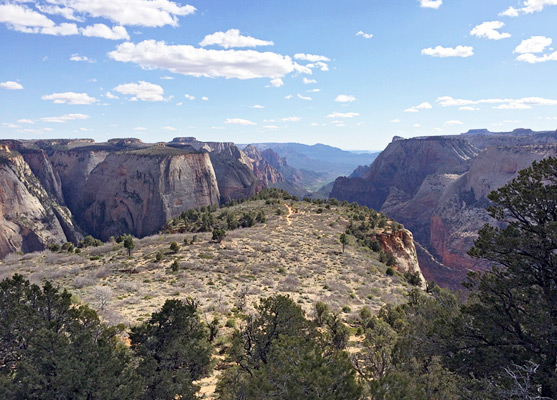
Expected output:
(438, 186)
(54, 191)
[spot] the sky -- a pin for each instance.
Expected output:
(350, 74)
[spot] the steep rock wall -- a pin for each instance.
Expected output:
(137, 194)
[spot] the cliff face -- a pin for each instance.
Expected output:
(53, 191)
(30, 218)
(437, 187)
(137, 193)
(235, 172)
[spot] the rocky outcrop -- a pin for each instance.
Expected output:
(30, 217)
(401, 245)
(437, 187)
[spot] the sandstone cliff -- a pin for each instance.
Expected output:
(137, 192)
(30, 217)
(437, 187)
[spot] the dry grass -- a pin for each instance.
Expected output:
(297, 254)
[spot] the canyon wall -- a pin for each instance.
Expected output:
(438, 186)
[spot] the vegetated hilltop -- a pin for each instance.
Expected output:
(55, 191)
(438, 187)
(286, 246)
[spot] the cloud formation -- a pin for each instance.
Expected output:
(431, 3)
(528, 49)
(70, 98)
(142, 90)
(422, 106)
(65, 118)
(239, 121)
(489, 30)
(189, 60)
(11, 85)
(458, 51)
(345, 98)
(500, 104)
(343, 115)
(233, 38)
(364, 35)
(103, 31)
(529, 7)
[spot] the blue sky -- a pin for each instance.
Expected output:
(350, 74)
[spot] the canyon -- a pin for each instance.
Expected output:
(438, 186)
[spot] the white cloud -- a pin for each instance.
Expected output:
(431, 3)
(303, 97)
(310, 57)
(11, 126)
(23, 19)
(111, 96)
(343, 115)
(468, 108)
(189, 60)
(313, 90)
(416, 125)
(364, 35)
(489, 30)
(271, 127)
(233, 38)
(314, 124)
(509, 12)
(139, 128)
(239, 121)
(78, 58)
(453, 122)
(277, 82)
(291, 119)
(168, 128)
(395, 121)
(65, 118)
(535, 44)
(70, 98)
(63, 29)
(131, 12)
(11, 85)
(189, 97)
(103, 31)
(530, 6)
(65, 12)
(288, 97)
(502, 104)
(25, 121)
(422, 106)
(515, 105)
(528, 49)
(167, 78)
(345, 98)
(458, 51)
(205, 98)
(145, 91)
(257, 106)
(309, 81)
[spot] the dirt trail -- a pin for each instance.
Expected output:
(290, 212)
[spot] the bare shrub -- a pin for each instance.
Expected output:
(127, 286)
(289, 284)
(102, 296)
(12, 258)
(80, 282)
(101, 250)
